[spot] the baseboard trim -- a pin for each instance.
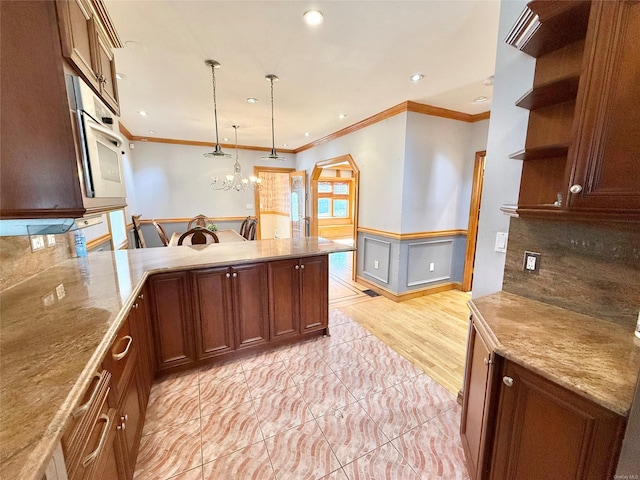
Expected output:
(408, 295)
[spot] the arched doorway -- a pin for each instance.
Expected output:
(334, 185)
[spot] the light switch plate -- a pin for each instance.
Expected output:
(501, 242)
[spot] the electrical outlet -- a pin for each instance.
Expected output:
(37, 242)
(376, 265)
(432, 266)
(531, 262)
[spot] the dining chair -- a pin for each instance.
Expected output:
(199, 236)
(199, 221)
(137, 231)
(248, 228)
(161, 233)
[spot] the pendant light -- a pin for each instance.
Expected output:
(273, 155)
(235, 181)
(217, 151)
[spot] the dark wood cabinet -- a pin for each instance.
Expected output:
(607, 148)
(515, 424)
(479, 400)
(212, 312)
(107, 464)
(580, 156)
(545, 431)
(298, 289)
(141, 327)
(38, 160)
(250, 304)
(129, 423)
(87, 41)
(170, 309)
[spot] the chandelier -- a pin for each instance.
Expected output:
(217, 151)
(273, 155)
(235, 181)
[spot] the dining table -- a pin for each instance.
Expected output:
(224, 236)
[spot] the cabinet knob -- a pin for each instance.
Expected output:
(141, 296)
(121, 427)
(228, 275)
(302, 267)
(488, 361)
(235, 274)
(297, 267)
(575, 188)
(124, 418)
(508, 381)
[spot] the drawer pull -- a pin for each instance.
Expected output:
(85, 406)
(120, 356)
(92, 456)
(508, 381)
(488, 361)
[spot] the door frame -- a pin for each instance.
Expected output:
(256, 192)
(313, 188)
(472, 227)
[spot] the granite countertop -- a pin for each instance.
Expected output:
(597, 359)
(56, 327)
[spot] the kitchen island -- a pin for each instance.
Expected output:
(57, 327)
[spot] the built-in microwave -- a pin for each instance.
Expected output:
(100, 145)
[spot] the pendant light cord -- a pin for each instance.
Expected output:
(215, 109)
(273, 135)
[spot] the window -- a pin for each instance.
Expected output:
(333, 199)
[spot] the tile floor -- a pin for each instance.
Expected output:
(340, 407)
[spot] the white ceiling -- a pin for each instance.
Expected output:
(358, 62)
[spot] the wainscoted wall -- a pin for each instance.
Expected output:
(402, 265)
(18, 262)
(588, 268)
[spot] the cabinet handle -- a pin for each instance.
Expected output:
(121, 427)
(120, 356)
(135, 305)
(488, 361)
(85, 406)
(228, 275)
(297, 267)
(141, 296)
(124, 417)
(302, 267)
(235, 274)
(92, 456)
(508, 381)
(575, 188)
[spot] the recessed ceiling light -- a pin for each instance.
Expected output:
(416, 77)
(313, 17)
(307, 134)
(120, 76)
(225, 139)
(252, 100)
(285, 144)
(342, 116)
(488, 80)
(152, 131)
(480, 99)
(143, 113)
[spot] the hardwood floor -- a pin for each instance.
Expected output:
(429, 331)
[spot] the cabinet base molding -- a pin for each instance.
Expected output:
(243, 352)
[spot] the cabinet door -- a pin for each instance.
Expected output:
(130, 421)
(546, 431)
(78, 36)
(170, 311)
(608, 112)
(37, 153)
(477, 402)
(141, 327)
(250, 304)
(314, 293)
(107, 74)
(212, 312)
(284, 298)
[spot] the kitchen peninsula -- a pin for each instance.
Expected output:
(61, 329)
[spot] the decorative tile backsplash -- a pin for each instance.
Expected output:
(18, 262)
(591, 268)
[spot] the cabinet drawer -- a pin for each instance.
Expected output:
(120, 360)
(83, 422)
(97, 444)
